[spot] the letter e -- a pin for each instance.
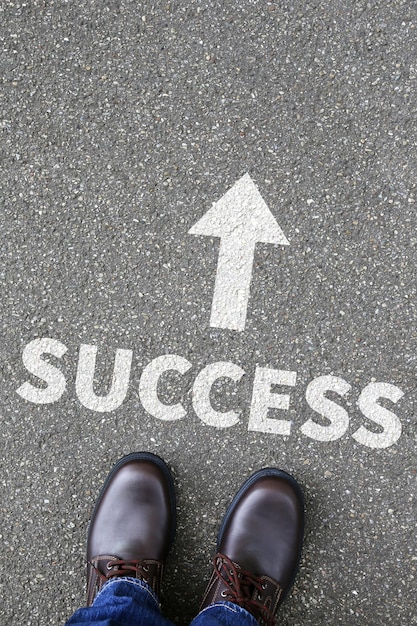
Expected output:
(263, 399)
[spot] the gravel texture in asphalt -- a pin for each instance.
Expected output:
(122, 123)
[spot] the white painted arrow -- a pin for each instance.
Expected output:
(241, 219)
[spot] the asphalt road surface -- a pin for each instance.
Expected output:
(208, 251)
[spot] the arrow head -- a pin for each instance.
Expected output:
(241, 213)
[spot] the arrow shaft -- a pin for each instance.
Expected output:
(241, 219)
(232, 286)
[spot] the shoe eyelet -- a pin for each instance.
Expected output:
(223, 594)
(109, 565)
(145, 568)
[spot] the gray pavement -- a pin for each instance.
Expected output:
(122, 123)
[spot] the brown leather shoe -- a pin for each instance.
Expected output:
(133, 524)
(259, 545)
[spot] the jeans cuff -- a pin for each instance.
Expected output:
(141, 584)
(247, 618)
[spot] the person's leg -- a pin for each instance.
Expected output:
(224, 614)
(258, 552)
(121, 602)
(131, 531)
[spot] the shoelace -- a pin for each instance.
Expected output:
(121, 567)
(126, 568)
(106, 567)
(241, 586)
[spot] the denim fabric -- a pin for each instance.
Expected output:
(121, 602)
(131, 602)
(224, 614)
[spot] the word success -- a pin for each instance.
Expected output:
(270, 394)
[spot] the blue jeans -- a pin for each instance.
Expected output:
(131, 602)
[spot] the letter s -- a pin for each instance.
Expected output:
(337, 415)
(32, 360)
(390, 423)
